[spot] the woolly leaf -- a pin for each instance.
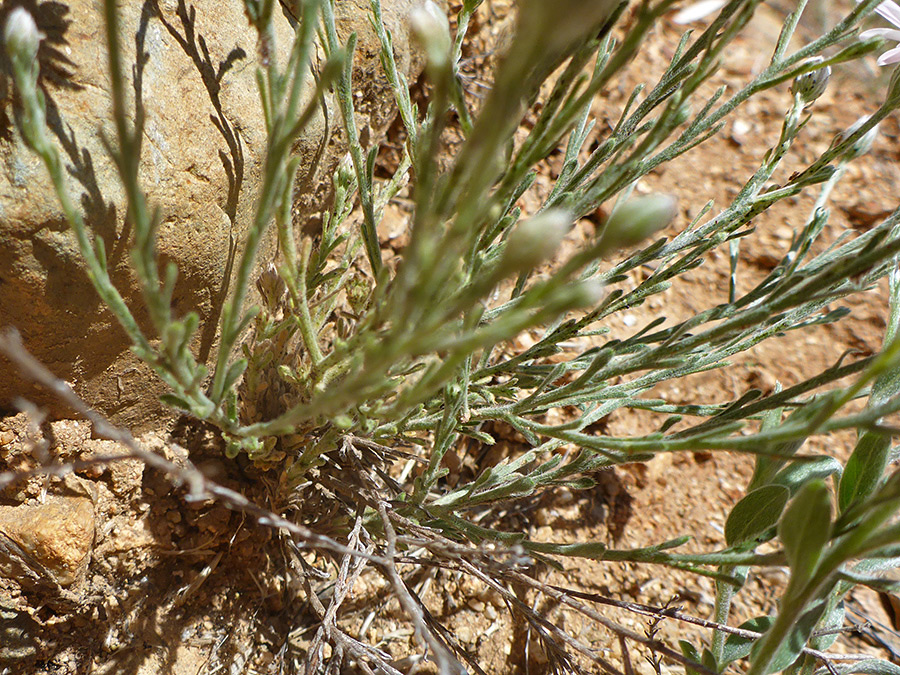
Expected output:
(792, 646)
(864, 468)
(738, 647)
(754, 515)
(796, 474)
(805, 528)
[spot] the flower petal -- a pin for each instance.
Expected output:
(889, 57)
(698, 10)
(889, 10)
(889, 33)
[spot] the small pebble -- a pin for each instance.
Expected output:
(564, 495)
(739, 131)
(493, 597)
(784, 232)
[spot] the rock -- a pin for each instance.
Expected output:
(201, 165)
(51, 540)
(18, 636)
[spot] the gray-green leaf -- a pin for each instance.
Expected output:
(805, 528)
(737, 647)
(870, 667)
(792, 646)
(794, 475)
(690, 652)
(834, 620)
(865, 468)
(755, 514)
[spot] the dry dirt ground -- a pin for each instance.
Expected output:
(165, 585)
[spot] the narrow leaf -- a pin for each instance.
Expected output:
(174, 401)
(871, 667)
(805, 528)
(737, 647)
(100, 252)
(235, 370)
(755, 514)
(796, 474)
(865, 468)
(792, 646)
(690, 652)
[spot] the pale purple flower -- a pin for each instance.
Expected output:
(889, 10)
(698, 10)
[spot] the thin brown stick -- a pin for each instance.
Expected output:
(653, 644)
(329, 616)
(458, 557)
(446, 662)
(626, 657)
(62, 470)
(674, 613)
(510, 598)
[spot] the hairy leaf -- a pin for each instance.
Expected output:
(754, 515)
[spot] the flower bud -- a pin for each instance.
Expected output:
(345, 173)
(864, 143)
(535, 240)
(811, 85)
(271, 287)
(637, 219)
(557, 26)
(588, 293)
(432, 29)
(698, 10)
(21, 36)
(892, 100)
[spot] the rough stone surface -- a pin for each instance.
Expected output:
(201, 156)
(53, 538)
